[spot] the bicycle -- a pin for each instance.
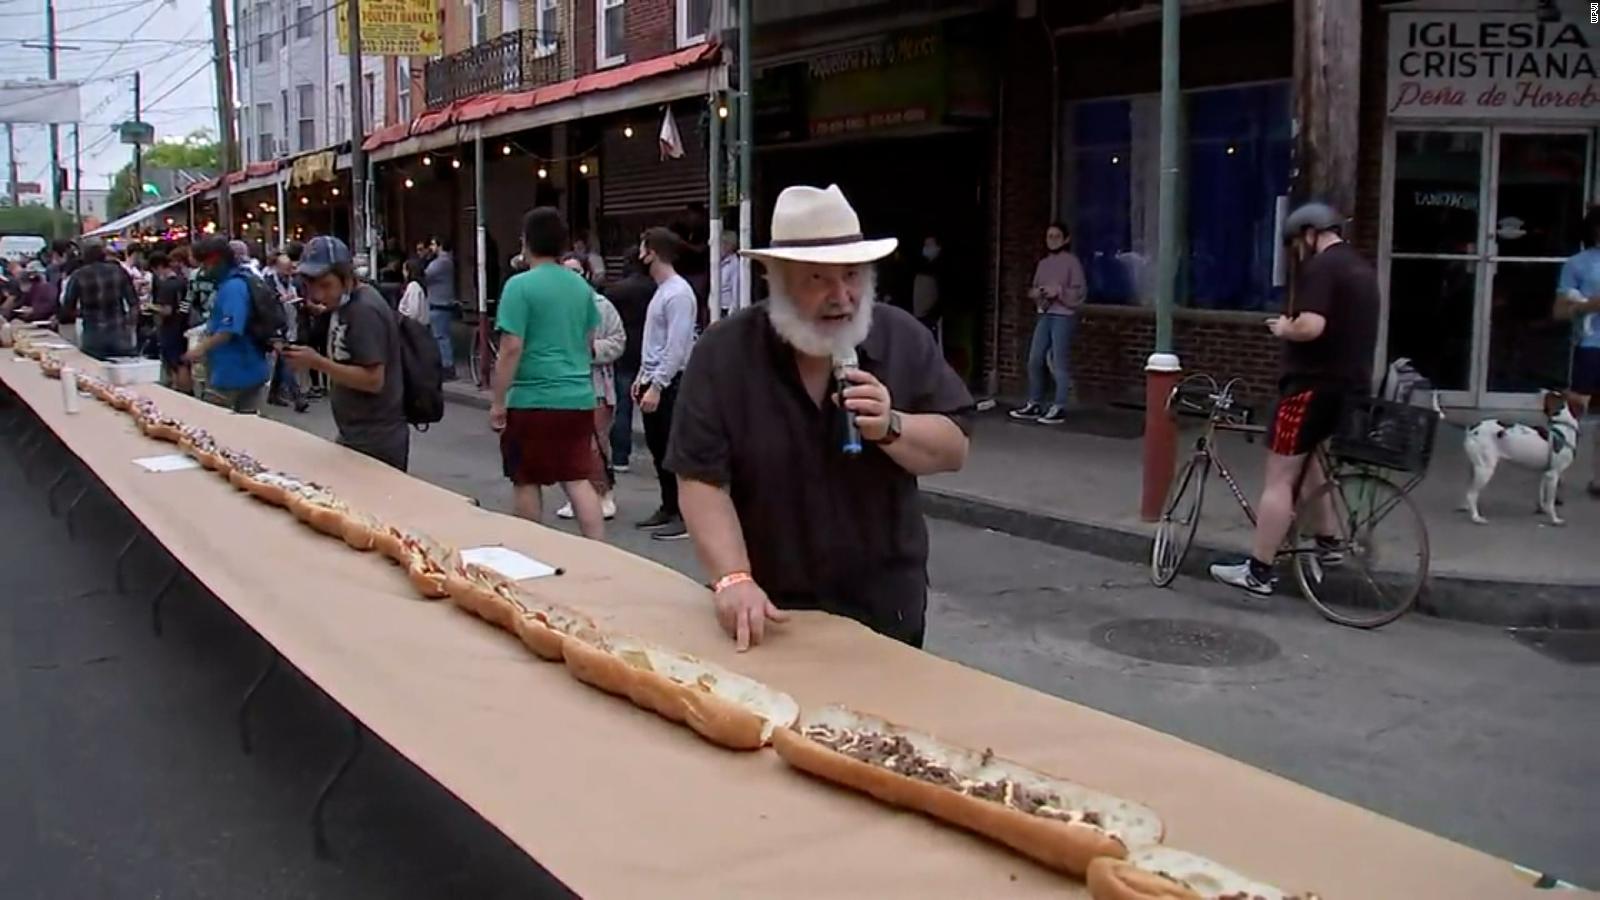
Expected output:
(1376, 565)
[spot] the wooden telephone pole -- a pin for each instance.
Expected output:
(226, 154)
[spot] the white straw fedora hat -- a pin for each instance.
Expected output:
(819, 226)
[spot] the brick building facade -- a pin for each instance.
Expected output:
(1498, 341)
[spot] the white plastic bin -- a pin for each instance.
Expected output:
(121, 370)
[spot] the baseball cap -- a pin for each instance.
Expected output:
(321, 254)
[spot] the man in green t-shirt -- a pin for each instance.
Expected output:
(543, 404)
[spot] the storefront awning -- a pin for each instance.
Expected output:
(661, 80)
(137, 217)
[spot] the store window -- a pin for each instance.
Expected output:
(1236, 157)
(694, 20)
(611, 34)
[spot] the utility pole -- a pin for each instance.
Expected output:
(225, 159)
(358, 132)
(1162, 370)
(77, 172)
(11, 163)
(55, 130)
(138, 158)
(747, 152)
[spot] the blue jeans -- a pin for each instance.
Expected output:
(440, 318)
(622, 422)
(285, 381)
(1052, 340)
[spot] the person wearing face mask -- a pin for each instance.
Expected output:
(1328, 341)
(1059, 288)
(926, 283)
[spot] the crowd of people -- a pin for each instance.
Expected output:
(744, 420)
(232, 324)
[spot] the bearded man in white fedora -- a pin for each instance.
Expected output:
(802, 426)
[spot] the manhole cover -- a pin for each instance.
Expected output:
(1184, 642)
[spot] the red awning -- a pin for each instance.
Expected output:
(488, 106)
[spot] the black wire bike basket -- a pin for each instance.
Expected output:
(1389, 435)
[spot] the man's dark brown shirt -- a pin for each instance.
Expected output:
(824, 530)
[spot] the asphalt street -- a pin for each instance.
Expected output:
(127, 781)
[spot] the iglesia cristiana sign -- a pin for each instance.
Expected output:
(1445, 65)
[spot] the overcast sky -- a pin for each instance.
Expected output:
(171, 46)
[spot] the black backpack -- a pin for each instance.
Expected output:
(422, 396)
(266, 320)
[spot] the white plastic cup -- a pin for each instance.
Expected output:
(69, 389)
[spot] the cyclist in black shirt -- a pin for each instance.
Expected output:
(1329, 335)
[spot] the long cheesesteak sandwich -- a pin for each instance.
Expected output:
(1059, 823)
(722, 706)
(1165, 873)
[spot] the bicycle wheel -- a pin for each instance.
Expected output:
(1179, 521)
(1377, 564)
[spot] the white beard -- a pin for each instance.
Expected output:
(812, 339)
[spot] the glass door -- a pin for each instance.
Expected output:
(1541, 182)
(1436, 258)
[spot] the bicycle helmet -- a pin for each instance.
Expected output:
(1315, 215)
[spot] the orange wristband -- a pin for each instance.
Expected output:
(731, 579)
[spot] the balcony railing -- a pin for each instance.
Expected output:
(514, 61)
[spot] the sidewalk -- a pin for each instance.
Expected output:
(1077, 485)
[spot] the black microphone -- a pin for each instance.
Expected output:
(842, 363)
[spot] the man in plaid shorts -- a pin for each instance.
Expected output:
(1329, 337)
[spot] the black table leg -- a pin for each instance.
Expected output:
(122, 555)
(249, 697)
(319, 838)
(155, 601)
(72, 506)
(50, 492)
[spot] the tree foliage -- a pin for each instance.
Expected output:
(40, 220)
(196, 151)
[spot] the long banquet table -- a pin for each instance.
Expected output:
(617, 802)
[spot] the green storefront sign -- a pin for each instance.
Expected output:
(900, 80)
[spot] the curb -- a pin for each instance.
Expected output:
(463, 393)
(1483, 601)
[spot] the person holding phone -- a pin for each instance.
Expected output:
(1058, 289)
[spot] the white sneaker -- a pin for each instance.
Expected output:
(608, 507)
(1241, 576)
(621, 468)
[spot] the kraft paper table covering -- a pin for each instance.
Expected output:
(617, 802)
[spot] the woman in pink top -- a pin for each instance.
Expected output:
(1058, 290)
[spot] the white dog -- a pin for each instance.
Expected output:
(1549, 450)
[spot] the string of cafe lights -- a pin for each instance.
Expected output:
(510, 147)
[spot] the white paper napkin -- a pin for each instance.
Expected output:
(509, 563)
(171, 462)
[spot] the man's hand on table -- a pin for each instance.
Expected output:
(743, 611)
